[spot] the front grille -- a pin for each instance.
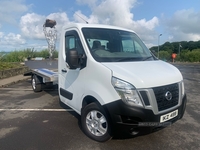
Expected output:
(160, 92)
(145, 97)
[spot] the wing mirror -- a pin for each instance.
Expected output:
(72, 59)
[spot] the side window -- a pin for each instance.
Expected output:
(72, 41)
(138, 48)
(128, 45)
(69, 43)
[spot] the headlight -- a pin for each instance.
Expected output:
(182, 89)
(127, 92)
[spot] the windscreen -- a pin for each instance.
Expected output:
(109, 45)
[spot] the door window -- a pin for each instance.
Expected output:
(72, 42)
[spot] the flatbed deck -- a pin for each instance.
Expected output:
(48, 64)
(47, 69)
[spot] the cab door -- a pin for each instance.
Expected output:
(70, 80)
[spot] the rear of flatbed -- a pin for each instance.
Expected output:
(42, 72)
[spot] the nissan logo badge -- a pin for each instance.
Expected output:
(168, 95)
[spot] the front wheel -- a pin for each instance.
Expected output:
(95, 123)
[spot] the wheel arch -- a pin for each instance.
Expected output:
(89, 99)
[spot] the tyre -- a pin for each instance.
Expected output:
(36, 83)
(95, 123)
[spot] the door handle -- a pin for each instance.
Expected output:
(64, 70)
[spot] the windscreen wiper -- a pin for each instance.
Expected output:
(147, 58)
(126, 59)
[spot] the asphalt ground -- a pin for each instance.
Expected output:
(37, 121)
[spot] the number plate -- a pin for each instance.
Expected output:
(169, 116)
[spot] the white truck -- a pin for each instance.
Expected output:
(108, 76)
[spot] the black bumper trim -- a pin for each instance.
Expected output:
(127, 118)
(66, 94)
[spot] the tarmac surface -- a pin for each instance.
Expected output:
(11, 80)
(32, 121)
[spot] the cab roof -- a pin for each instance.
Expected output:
(84, 25)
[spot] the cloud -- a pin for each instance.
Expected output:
(11, 10)
(1, 35)
(31, 24)
(81, 18)
(61, 19)
(184, 25)
(90, 3)
(113, 12)
(118, 12)
(11, 39)
(10, 13)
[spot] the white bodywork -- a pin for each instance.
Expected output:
(146, 74)
(95, 79)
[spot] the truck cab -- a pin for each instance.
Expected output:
(108, 76)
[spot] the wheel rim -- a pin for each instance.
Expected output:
(96, 123)
(33, 83)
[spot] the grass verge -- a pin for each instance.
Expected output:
(9, 65)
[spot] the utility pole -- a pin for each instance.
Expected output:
(158, 43)
(179, 52)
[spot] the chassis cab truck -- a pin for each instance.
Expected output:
(108, 76)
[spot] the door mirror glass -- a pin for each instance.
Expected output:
(72, 59)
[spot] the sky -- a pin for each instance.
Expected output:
(21, 21)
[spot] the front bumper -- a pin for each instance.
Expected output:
(136, 120)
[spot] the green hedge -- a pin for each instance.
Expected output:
(184, 56)
(21, 55)
(190, 56)
(9, 65)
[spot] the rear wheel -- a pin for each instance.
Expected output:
(95, 123)
(36, 83)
